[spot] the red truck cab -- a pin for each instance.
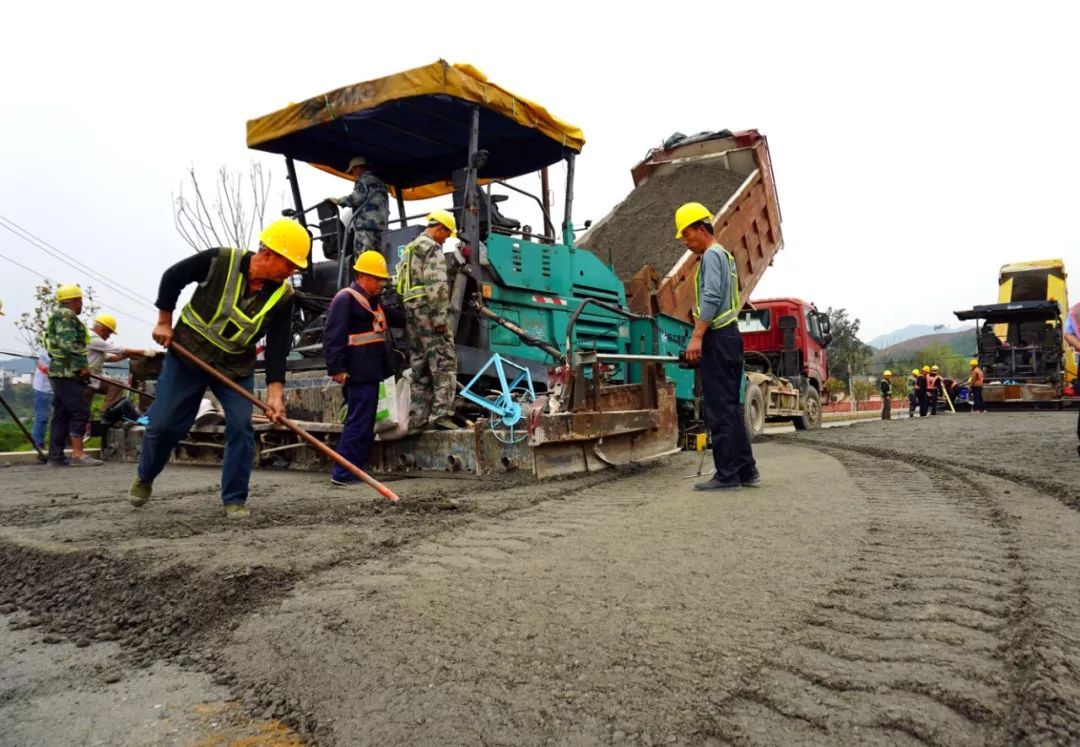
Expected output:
(786, 337)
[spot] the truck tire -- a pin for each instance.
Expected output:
(754, 411)
(811, 417)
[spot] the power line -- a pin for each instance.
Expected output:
(55, 253)
(42, 275)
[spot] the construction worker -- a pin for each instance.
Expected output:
(100, 351)
(975, 381)
(65, 339)
(717, 344)
(370, 203)
(886, 395)
(913, 392)
(358, 356)
(1072, 337)
(933, 388)
(43, 397)
(424, 287)
(924, 392)
(241, 296)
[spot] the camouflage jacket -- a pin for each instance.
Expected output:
(427, 267)
(65, 340)
(370, 203)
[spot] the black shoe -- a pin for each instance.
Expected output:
(715, 484)
(751, 479)
(59, 462)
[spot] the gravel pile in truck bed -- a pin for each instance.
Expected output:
(640, 230)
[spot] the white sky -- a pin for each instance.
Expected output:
(916, 147)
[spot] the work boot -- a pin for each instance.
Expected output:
(85, 461)
(445, 423)
(715, 484)
(59, 462)
(751, 479)
(140, 492)
(342, 483)
(236, 511)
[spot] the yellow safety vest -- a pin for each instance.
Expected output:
(730, 314)
(403, 282)
(222, 322)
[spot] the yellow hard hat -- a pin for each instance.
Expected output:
(688, 215)
(372, 263)
(106, 320)
(926, 369)
(973, 362)
(444, 218)
(68, 292)
(914, 372)
(289, 239)
(935, 369)
(887, 373)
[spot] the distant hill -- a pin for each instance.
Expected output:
(962, 342)
(18, 365)
(910, 332)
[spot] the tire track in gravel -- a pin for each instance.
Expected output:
(907, 648)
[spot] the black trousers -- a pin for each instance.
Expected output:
(924, 404)
(721, 383)
(70, 415)
(978, 406)
(933, 401)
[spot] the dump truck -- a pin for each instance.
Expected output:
(730, 172)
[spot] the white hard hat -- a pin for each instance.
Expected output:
(358, 161)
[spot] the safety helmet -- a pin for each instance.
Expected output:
(289, 239)
(973, 362)
(445, 219)
(106, 320)
(935, 369)
(926, 369)
(914, 372)
(358, 161)
(688, 215)
(372, 263)
(68, 292)
(887, 374)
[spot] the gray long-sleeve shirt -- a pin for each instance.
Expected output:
(715, 290)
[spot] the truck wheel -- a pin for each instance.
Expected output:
(811, 417)
(754, 411)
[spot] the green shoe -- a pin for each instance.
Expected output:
(140, 492)
(236, 511)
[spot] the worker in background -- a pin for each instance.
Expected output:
(1072, 337)
(975, 381)
(370, 203)
(717, 344)
(241, 296)
(933, 388)
(424, 287)
(924, 393)
(358, 356)
(913, 392)
(886, 395)
(100, 351)
(66, 338)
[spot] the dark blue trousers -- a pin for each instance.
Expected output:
(721, 383)
(359, 429)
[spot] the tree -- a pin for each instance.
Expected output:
(848, 353)
(835, 387)
(226, 221)
(861, 390)
(31, 324)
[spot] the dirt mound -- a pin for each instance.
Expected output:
(640, 230)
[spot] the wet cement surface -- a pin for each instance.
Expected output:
(902, 582)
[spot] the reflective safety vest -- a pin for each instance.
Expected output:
(403, 283)
(214, 310)
(378, 327)
(931, 382)
(730, 314)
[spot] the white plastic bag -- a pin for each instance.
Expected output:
(386, 412)
(396, 425)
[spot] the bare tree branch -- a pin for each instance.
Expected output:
(227, 221)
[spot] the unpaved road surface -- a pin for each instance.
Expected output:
(889, 583)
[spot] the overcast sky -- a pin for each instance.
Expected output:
(916, 147)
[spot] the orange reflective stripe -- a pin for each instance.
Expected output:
(365, 338)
